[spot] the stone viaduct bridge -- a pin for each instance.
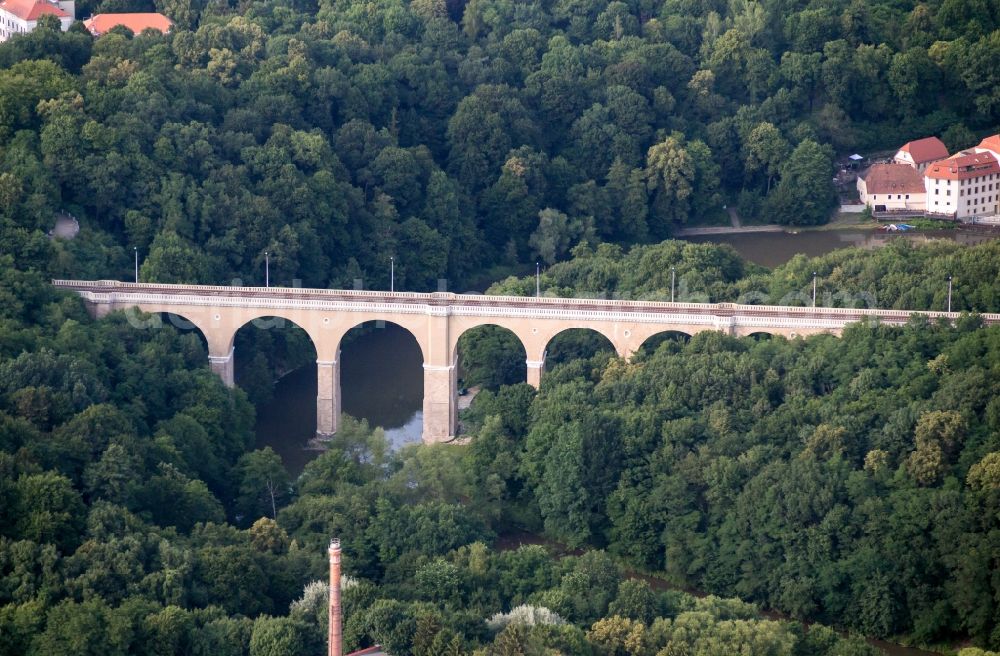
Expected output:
(437, 320)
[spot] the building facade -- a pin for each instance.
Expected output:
(965, 185)
(21, 16)
(892, 187)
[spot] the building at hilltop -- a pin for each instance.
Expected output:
(21, 16)
(100, 24)
(920, 153)
(886, 187)
(967, 184)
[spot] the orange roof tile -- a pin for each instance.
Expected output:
(991, 143)
(894, 179)
(99, 24)
(928, 149)
(32, 9)
(963, 166)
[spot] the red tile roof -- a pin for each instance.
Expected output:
(371, 651)
(991, 143)
(32, 9)
(928, 149)
(99, 24)
(894, 179)
(963, 166)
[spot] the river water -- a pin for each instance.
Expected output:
(774, 248)
(381, 380)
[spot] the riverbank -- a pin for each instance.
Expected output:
(513, 539)
(728, 230)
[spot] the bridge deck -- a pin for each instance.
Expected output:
(472, 301)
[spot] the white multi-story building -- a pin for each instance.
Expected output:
(966, 184)
(21, 16)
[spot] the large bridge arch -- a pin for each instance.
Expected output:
(587, 332)
(460, 325)
(788, 332)
(463, 333)
(415, 328)
(649, 345)
(270, 322)
(634, 335)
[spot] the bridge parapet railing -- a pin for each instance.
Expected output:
(147, 292)
(229, 289)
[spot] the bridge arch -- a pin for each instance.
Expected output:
(416, 329)
(285, 340)
(502, 346)
(573, 343)
(650, 344)
(226, 325)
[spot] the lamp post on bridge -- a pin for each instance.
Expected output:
(814, 289)
(267, 269)
(538, 279)
(135, 249)
(949, 294)
(673, 277)
(392, 273)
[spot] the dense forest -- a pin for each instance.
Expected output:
(456, 136)
(853, 482)
(849, 480)
(134, 519)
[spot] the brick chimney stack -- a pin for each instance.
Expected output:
(335, 637)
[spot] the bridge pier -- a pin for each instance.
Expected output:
(328, 396)
(535, 369)
(440, 376)
(222, 365)
(440, 402)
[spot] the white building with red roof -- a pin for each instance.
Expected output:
(967, 184)
(99, 24)
(887, 187)
(21, 16)
(921, 152)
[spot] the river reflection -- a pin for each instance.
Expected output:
(381, 379)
